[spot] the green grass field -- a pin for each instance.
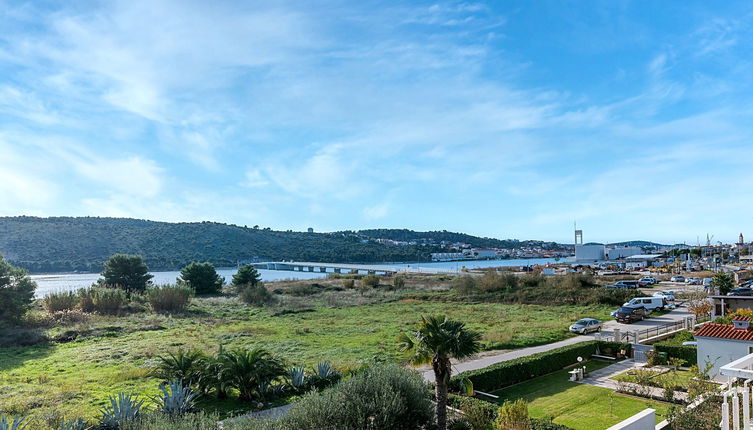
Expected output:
(579, 406)
(112, 354)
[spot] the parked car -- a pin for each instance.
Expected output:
(693, 281)
(746, 291)
(648, 280)
(677, 278)
(629, 314)
(586, 325)
(630, 283)
(649, 303)
(666, 295)
(618, 286)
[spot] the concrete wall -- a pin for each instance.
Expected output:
(644, 420)
(590, 252)
(720, 352)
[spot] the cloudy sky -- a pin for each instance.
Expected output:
(504, 119)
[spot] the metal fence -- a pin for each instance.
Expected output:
(636, 336)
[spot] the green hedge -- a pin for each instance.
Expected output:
(522, 369)
(687, 353)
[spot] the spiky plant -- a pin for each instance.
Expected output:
(175, 398)
(15, 424)
(122, 409)
(297, 377)
(76, 424)
(324, 375)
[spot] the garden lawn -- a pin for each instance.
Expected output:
(114, 354)
(579, 406)
(680, 378)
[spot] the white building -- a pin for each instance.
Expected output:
(591, 252)
(447, 256)
(623, 252)
(484, 253)
(720, 344)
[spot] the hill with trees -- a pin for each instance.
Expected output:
(64, 244)
(448, 237)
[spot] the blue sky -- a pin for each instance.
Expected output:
(504, 119)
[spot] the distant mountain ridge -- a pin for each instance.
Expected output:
(65, 244)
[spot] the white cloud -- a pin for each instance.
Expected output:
(376, 212)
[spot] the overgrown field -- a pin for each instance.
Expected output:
(83, 362)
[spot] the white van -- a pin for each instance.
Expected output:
(650, 303)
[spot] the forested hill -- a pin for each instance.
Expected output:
(83, 244)
(450, 237)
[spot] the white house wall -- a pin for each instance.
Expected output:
(720, 352)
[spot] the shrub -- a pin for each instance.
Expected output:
(183, 366)
(169, 298)
(349, 284)
(379, 398)
(86, 299)
(522, 369)
(398, 282)
(465, 285)
(75, 424)
(256, 295)
(513, 416)
(687, 353)
(249, 370)
(16, 291)
(202, 277)
(370, 281)
(60, 301)
(109, 300)
(246, 275)
(159, 421)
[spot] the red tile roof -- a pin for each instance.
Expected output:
(723, 331)
(740, 318)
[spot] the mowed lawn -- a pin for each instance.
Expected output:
(579, 406)
(114, 354)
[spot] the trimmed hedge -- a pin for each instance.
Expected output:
(521, 369)
(687, 353)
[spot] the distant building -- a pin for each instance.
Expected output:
(591, 252)
(311, 230)
(484, 253)
(623, 252)
(447, 256)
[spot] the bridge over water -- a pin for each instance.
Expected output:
(306, 266)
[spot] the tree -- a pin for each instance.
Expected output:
(247, 275)
(724, 282)
(250, 371)
(202, 277)
(126, 271)
(16, 291)
(435, 342)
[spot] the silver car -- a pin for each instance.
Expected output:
(586, 325)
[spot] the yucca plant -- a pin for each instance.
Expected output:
(77, 424)
(176, 399)
(184, 366)
(122, 409)
(15, 424)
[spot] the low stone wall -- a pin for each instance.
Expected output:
(644, 420)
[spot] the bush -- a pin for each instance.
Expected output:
(687, 353)
(398, 282)
(380, 398)
(159, 421)
(349, 284)
(202, 277)
(109, 300)
(513, 416)
(465, 285)
(370, 281)
(169, 298)
(86, 299)
(257, 295)
(61, 301)
(16, 291)
(522, 369)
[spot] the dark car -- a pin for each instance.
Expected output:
(741, 292)
(628, 314)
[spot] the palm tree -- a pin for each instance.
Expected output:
(250, 371)
(436, 341)
(183, 366)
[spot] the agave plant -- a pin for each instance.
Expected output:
(77, 424)
(175, 398)
(297, 377)
(122, 409)
(15, 424)
(324, 375)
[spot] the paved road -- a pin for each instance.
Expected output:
(479, 363)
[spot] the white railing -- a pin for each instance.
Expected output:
(738, 369)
